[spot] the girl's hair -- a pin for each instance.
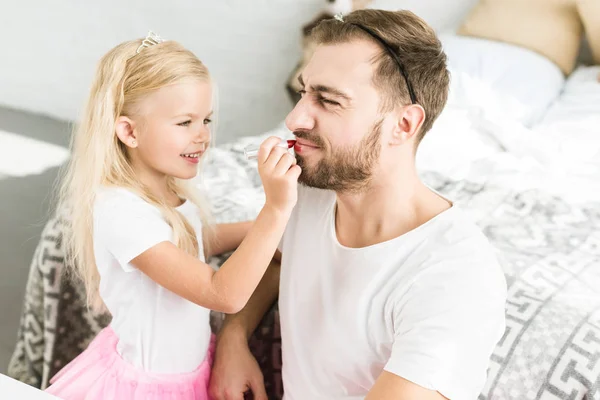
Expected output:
(123, 79)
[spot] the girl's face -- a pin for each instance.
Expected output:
(172, 130)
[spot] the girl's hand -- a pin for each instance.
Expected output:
(279, 174)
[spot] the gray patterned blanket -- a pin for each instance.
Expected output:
(549, 248)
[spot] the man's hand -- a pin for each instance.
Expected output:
(235, 371)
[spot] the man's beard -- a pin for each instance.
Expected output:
(344, 170)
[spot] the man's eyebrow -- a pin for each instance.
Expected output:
(326, 89)
(330, 90)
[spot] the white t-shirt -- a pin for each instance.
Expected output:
(158, 330)
(427, 306)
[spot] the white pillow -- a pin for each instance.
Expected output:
(580, 99)
(483, 101)
(514, 72)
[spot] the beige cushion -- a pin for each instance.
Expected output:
(589, 10)
(549, 27)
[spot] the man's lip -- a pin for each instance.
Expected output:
(306, 143)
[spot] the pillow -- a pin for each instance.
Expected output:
(567, 137)
(579, 100)
(512, 71)
(549, 27)
(456, 132)
(482, 101)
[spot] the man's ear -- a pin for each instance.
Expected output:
(408, 124)
(125, 130)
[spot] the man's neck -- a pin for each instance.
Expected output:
(391, 206)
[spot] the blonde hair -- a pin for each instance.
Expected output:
(123, 78)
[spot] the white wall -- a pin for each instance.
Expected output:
(49, 49)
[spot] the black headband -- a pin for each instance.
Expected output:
(392, 53)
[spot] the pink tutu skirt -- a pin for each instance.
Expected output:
(99, 373)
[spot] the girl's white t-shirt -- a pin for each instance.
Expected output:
(159, 331)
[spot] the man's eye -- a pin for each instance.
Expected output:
(302, 92)
(186, 123)
(327, 101)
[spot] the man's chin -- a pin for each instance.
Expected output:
(310, 179)
(309, 160)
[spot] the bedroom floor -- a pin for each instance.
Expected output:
(24, 209)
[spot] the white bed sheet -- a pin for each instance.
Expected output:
(480, 137)
(568, 137)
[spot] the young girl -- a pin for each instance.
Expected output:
(139, 232)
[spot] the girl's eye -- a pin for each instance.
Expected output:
(186, 123)
(207, 121)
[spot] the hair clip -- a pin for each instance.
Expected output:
(339, 17)
(150, 40)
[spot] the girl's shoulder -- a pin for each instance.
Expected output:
(118, 200)
(108, 193)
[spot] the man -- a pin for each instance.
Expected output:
(387, 290)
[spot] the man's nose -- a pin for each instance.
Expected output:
(300, 118)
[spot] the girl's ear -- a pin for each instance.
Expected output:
(125, 130)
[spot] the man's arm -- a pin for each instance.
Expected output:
(245, 322)
(445, 331)
(393, 387)
(235, 370)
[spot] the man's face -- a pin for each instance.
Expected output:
(337, 122)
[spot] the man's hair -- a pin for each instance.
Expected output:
(415, 44)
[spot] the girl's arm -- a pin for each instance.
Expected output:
(227, 237)
(228, 289)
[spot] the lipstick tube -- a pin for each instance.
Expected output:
(251, 152)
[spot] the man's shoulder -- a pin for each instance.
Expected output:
(459, 251)
(457, 234)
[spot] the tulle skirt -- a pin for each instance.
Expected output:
(99, 373)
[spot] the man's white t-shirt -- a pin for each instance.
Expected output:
(427, 306)
(158, 330)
